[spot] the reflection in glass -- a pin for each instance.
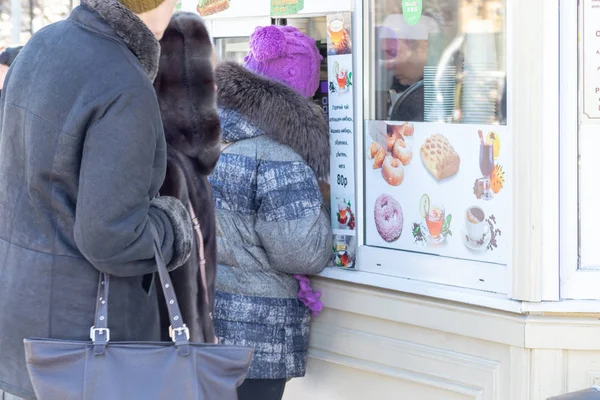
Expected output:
(448, 67)
(232, 48)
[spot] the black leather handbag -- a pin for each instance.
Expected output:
(100, 369)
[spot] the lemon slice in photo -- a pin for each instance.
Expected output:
(424, 205)
(493, 139)
(336, 68)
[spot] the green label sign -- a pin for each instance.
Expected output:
(286, 7)
(412, 9)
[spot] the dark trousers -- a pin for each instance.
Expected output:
(262, 389)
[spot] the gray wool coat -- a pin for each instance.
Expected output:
(82, 158)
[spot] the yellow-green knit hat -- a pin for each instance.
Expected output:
(141, 6)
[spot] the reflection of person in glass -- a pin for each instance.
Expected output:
(403, 53)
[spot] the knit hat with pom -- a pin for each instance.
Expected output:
(285, 54)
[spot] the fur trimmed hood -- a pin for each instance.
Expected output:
(277, 111)
(136, 35)
(185, 87)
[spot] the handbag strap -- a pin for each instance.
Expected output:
(201, 257)
(178, 331)
(99, 333)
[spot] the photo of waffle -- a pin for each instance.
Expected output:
(439, 157)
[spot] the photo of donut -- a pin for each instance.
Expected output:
(391, 152)
(389, 219)
(393, 171)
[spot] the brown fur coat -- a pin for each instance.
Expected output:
(185, 88)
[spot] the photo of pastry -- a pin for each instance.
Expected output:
(391, 152)
(439, 157)
(435, 225)
(389, 219)
(342, 80)
(480, 232)
(339, 35)
(344, 215)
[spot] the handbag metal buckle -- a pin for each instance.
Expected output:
(99, 331)
(174, 332)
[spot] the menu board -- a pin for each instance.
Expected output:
(341, 130)
(591, 58)
(442, 189)
(286, 7)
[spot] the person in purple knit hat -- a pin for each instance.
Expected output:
(272, 226)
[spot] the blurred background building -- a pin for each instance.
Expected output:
(19, 19)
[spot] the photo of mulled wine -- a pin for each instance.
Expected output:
(486, 166)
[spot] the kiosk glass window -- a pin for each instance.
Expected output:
(440, 61)
(438, 172)
(578, 142)
(579, 139)
(232, 48)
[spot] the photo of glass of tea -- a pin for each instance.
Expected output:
(341, 77)
(435, 222)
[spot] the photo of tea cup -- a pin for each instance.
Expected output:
(336, 30)
(475, 222)
(435, 220)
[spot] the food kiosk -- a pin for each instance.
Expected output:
(462, 190)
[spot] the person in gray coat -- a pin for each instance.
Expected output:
(82, 158)
(271, 221)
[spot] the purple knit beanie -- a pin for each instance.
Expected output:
(285, 54)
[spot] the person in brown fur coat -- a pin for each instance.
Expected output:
(185, 87)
